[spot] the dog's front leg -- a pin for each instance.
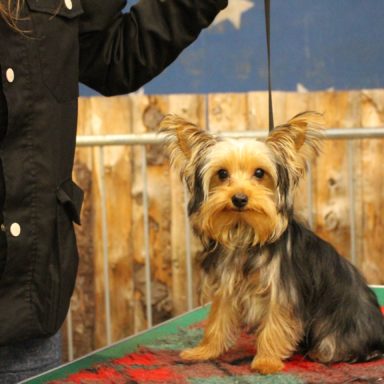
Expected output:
(219, 333)
(277, 339)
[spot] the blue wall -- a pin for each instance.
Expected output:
(319, 44)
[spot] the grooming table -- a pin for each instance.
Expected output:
(152, 357)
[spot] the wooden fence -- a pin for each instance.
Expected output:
(331, 198)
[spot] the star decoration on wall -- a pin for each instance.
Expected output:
(234, 12)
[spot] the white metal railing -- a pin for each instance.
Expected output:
(154, 138)
(102, 141)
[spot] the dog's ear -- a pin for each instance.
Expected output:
(183, 139)
(297, 142)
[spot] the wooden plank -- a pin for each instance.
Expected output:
(192, 108)
(331, 189)
(112, 116)
(137, 236)
(370, 177)
(148, 111)
(227, 112)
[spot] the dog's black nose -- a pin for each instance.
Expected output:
(239, 200)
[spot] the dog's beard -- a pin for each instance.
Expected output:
(258, 223)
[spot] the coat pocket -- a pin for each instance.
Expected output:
(56, 29)
(68, 9)
(64, 263)
(71, 197)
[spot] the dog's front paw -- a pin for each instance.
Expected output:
(200, 353)
(266, 365)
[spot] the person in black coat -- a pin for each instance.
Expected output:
(46, 48)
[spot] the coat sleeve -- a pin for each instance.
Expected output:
(120, 52)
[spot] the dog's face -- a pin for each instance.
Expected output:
(241, 190)
(238, 186)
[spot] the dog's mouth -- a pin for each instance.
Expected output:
(244, 212)
(237, 210)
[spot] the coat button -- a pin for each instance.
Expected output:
(15, 229)
(10, 75)
(68, 4)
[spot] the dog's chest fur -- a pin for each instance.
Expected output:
(248, 282)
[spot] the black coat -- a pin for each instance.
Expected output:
(65, 42)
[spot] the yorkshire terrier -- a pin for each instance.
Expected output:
(262, 267)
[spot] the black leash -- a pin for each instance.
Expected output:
(268, 34)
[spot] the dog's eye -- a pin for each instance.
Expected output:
(222, 174)
(259, 173)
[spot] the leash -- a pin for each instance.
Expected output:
(267, 7)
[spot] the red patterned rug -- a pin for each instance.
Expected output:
(160, 363)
